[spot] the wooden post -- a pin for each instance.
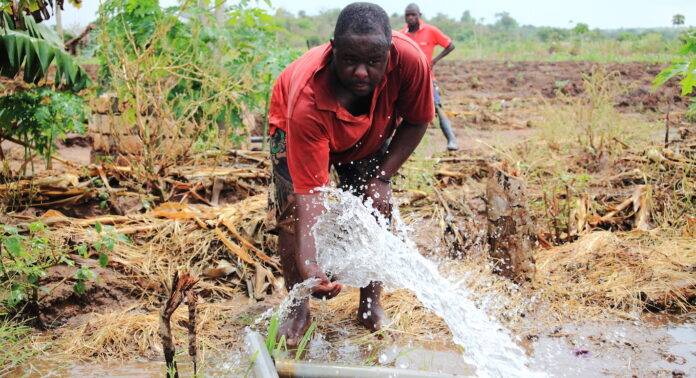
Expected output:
(59, 21)
(510, 231)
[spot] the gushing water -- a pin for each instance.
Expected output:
(298, 293)
(357, 247)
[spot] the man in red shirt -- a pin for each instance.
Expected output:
(427, 37)
(361, 104)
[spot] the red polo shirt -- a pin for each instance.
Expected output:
(427, 37)
(320, 131)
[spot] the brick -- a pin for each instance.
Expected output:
(130, 144)
(100, 142)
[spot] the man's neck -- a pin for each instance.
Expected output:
(355, 105)
(414, 28)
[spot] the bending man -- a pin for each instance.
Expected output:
(360, 103)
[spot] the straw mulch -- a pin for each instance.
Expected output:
(621, 274)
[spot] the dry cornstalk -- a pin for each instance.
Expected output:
(182, 285)
(191, 301)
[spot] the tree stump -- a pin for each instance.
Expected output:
(510, 230)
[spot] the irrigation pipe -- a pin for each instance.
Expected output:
(290, 368)
(262, 363)
(263, 366)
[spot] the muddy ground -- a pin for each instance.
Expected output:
(491, 104)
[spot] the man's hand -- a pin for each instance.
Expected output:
(381, 194)
(325, 288)
(443, 54)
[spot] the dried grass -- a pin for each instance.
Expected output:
(409, 320)
(165, 242)
(131, 333)
(623, 275)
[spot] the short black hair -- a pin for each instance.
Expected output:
(413, 6)
(362, 19)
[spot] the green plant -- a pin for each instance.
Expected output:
(272, 341)
(15, 348)
(684, 67)
(199, 76)
(106, 241)
(33, 48)
(37, 118)
(23, 261)
(277, 346)
(305, 340)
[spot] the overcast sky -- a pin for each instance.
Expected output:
(606, 14)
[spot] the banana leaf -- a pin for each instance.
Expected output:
(34, 51)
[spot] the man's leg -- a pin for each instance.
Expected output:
(445, 124)
(283, 204)
(354, 178)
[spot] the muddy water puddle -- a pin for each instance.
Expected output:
(617, 349)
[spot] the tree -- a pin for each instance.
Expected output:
(467, 18)
(37, 117)
(678, 20)
(505, 21)
(581, 28)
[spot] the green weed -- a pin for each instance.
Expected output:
(276, 347)
(15, 346)
(305, 340)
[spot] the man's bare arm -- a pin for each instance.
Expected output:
(443, 53)
(308, 208)
(405, 140)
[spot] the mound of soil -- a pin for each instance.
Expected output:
(60, 304)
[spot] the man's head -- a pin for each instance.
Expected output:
(412, 16)
(361, 43)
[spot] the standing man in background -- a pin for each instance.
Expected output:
(426, 37)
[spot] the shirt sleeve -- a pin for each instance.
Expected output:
(277, 109)
(307, 152)
(415, 103)
(441, 38)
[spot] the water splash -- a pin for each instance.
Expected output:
(357, 247)
(299, 292)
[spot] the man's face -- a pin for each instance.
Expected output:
(360, 62)
(412, 17)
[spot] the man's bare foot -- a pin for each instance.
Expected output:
(296, 324)
(371, 315)
(370, 312)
